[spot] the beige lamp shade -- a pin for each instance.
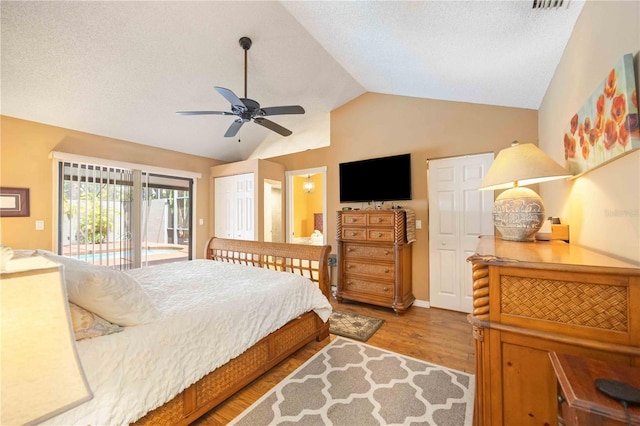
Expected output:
(519, 213)
(524, 164)
(41, 372)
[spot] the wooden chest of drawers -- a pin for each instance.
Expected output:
(374, 257)
(530, 299)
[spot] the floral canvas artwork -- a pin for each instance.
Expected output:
(607, 125)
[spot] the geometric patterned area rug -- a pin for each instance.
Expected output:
(352, 383)
(354, 326)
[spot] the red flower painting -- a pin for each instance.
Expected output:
(569, 146)
(612, 81)
(619, 108)
(608, 124)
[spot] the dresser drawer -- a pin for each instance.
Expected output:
(377, 270)
(374, 258)
(379, 219)
(349, 219)
(381, 234)
(369, 251)
(358, 234)
(369, 287)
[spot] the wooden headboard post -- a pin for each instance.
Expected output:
(310, 261)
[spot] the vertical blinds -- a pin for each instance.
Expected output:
(96, 214)
(116, 216)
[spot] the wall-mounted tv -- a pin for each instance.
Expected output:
(376, 179)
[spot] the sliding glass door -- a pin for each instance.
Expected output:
(123, 218)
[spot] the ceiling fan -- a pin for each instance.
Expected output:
(247, 109)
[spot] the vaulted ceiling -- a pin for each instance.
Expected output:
(122, 69)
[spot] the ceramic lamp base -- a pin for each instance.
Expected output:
(518, 213)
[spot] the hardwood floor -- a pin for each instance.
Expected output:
(433, 335)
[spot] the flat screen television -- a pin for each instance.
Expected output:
(376, 179)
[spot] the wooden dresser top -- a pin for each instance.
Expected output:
(548, 255)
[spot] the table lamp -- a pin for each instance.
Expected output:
(518, 213)
(41, 373)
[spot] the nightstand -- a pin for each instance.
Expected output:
(579, 402)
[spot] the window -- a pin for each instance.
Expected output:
(123, 217)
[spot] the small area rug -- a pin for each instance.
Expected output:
(354, 326)
(352, 383)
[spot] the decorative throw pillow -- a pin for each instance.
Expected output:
(114, 295)
(87, 325)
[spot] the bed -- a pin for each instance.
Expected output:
(197, 374)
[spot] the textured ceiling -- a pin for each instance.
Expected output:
(122, 69)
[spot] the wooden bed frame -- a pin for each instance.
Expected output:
(307, 260)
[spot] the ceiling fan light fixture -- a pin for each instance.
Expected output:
(308, 185)
(247, 109)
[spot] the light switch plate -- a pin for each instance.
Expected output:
(418, 224)
(39, 225)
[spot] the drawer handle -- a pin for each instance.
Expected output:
(353, 219)
(386, 289)
(349, 250)
(386, 271)
(379, 219)
(349, 266)
(387, 252)
(353, 234)
(560, 399)
(379, 234)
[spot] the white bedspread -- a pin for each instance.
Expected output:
(211, 312)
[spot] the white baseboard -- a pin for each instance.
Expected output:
(421, 303)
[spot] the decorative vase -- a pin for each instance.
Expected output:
(518, 213)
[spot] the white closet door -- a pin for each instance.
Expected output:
(458, 215)
(234, 202)
(244, 229)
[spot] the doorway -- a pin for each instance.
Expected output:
(306, 206)
(272, 211)
(458, 215)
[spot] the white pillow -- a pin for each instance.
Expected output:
(114, 295)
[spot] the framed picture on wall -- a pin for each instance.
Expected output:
(14, 202)
(606, 126)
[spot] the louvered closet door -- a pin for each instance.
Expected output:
(458, 215)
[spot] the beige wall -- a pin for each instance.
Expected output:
(602, 207)
(375, 125)
(24, 162)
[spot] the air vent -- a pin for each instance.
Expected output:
(548, 4)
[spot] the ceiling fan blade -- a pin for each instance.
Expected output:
(231, 97)
(233, 129)
(204, 113)
(279, 110)
(272, 126)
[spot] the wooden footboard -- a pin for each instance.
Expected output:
(220, 384)
(307, 260)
